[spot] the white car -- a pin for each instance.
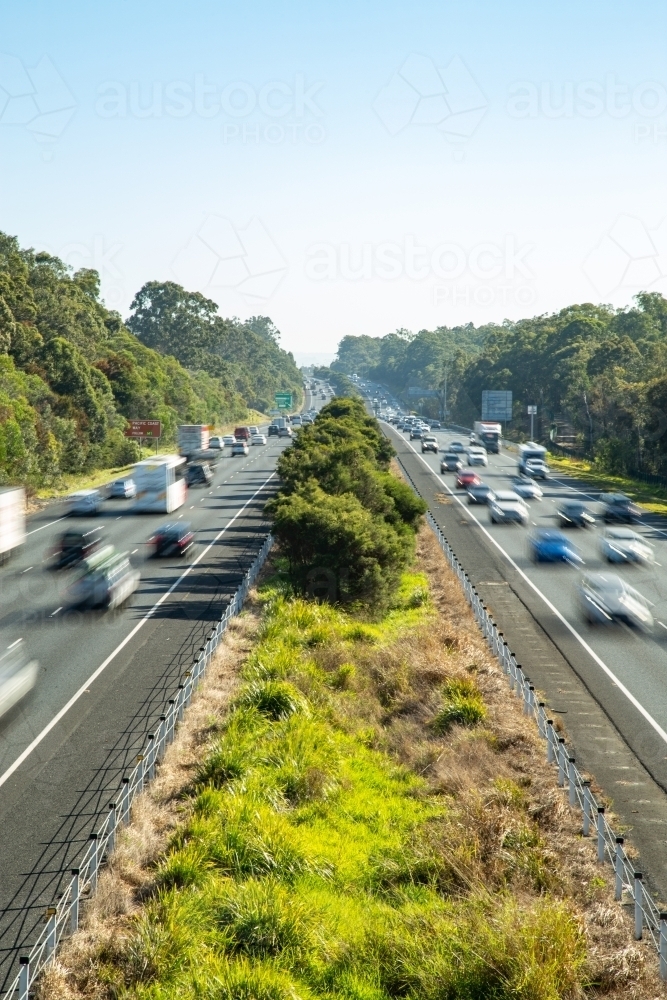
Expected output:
(537, 469)
(84, 502)
(253, 430)
(605, 598)
(477, 456)
(18, 675)
(216, 443)
(507, 508)
(228, 439)
(623, 545)
(257, 439)
(527, 488)
(240, 447)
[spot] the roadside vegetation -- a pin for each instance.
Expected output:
(345, 524)
(72, 373)
(596, 374)
(362, 813)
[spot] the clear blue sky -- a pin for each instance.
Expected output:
(343, 167)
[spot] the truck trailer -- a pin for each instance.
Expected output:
(193, 439)
(160, 484)
(12, 520)
(488, 434)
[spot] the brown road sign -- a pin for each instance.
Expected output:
(143, 429)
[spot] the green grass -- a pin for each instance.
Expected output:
(314, 866)
(462, 705)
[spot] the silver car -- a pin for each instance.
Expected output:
(536, 468)
(18, 675)
(605, 598)
(623, 545)
(84, 502)
(507, 508)
(106, 580)
(477, 456)
(527, 488)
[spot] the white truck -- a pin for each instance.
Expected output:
(533, 460)
(160, 486)
(193, 438)
(12, 520)
(488, 434)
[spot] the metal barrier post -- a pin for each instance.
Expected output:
(125, 802)
(150, 756)
(95, 862)
(50, 932)
(663, 946)
(550, 741)
(561, 762)
(618, 864)
(141, 766)
(587, 808)
(601, 834)
(113, 820)
(161, 737)
(74, 907)
(639, 907)
(24, 977)
(179, 702)
(171, 720)
(572, 783)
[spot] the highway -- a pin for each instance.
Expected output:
(104, 677)
(536, 606)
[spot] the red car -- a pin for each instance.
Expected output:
(465, 479)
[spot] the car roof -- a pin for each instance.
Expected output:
(508, 496)
(621, 533)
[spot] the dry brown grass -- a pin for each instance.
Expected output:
(494, 777)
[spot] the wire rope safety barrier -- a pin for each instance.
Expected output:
(62, 919)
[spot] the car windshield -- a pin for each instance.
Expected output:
(622, 533)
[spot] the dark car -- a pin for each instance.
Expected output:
(75, 546)
(273, 430)
(451, 463)
(174, 539)
(619, 509)
(198, 474)
(574, 514)
(435, 425)
(480, 493)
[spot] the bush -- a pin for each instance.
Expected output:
(463, 706)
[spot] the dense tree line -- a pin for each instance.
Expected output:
(72, 373)
(345, 523)
(598, 375)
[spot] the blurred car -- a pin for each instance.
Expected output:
(106, 580)
(477, 456)
(228, 439)
(526, 488)
(480, 493)
(73, 547)
(273, 430)
(537, 469)
(416, 432)
(18, 675)
(574, 514)
(258, 439)
(435, 425)
(549, 545)
(430, 443)
(84, 503)
(466, 479)
(507, 508)
(284, 432)
(255, 430)
(451, 463)
(623, 545)
(457, 447)
(124, 489)
(199, 474)
(606, 598)
(616, 507)
(217, 443)
(240, 448)
(174, 539)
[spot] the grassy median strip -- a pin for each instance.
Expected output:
(652, 497)
(371, 817)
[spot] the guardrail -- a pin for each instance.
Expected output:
(63, 918)
(628, 882)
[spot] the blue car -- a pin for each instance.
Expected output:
(547, 545)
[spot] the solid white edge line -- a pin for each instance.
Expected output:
(96, 673)
(619, 684)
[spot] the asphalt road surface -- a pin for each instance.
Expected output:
(104, 677)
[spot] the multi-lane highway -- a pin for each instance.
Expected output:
(624, 670)
(104, 677)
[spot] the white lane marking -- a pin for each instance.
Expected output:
(35, 530)
(96, 673)
(663, 624)
(628, 694)
(27, 570)
(54, 613)
(133, 551)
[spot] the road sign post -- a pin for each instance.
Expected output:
(532, 413)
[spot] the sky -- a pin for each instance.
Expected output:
(344, 168)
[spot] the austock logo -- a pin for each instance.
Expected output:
(36, 98)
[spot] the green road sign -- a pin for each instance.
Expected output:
(284, 400)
